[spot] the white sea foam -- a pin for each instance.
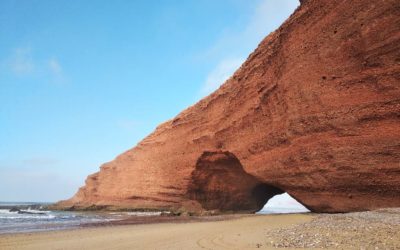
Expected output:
(25, 216)
(137, 213)
(144, 213)
(7, 211)
(32, 211)
(30, 217)
(12, 215)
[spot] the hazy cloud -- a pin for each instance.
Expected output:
(267, 16)
(56, 71)
(54, 66)
(220, 74)
(38, 178)
(21, 62)
(36, 185)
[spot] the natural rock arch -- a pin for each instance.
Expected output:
(220, 183)
(314, 110)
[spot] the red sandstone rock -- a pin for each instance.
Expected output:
(314, 111)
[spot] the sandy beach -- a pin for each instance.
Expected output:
(241, 232)
(360, 230)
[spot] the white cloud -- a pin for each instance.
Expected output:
(56, 71)
(267, 16)
(220, 74)
(55, 66)
(21, 62)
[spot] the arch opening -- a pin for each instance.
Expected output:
(220, 183)
(282, 204)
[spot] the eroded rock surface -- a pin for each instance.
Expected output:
(314, 111)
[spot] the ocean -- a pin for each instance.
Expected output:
(21, 217)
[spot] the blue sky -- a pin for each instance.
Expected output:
(83, 81)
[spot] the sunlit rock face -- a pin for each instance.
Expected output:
(314, 111)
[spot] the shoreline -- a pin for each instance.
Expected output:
(131, 220)
(237, 232)
(379, 229)
(145, 220)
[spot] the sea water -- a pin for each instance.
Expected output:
(29, 217)
(19, 217)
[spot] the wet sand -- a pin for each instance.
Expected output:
(230, 232)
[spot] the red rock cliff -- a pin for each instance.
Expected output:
(314, 111)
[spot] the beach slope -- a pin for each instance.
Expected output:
(247, 232)
(378, 229)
